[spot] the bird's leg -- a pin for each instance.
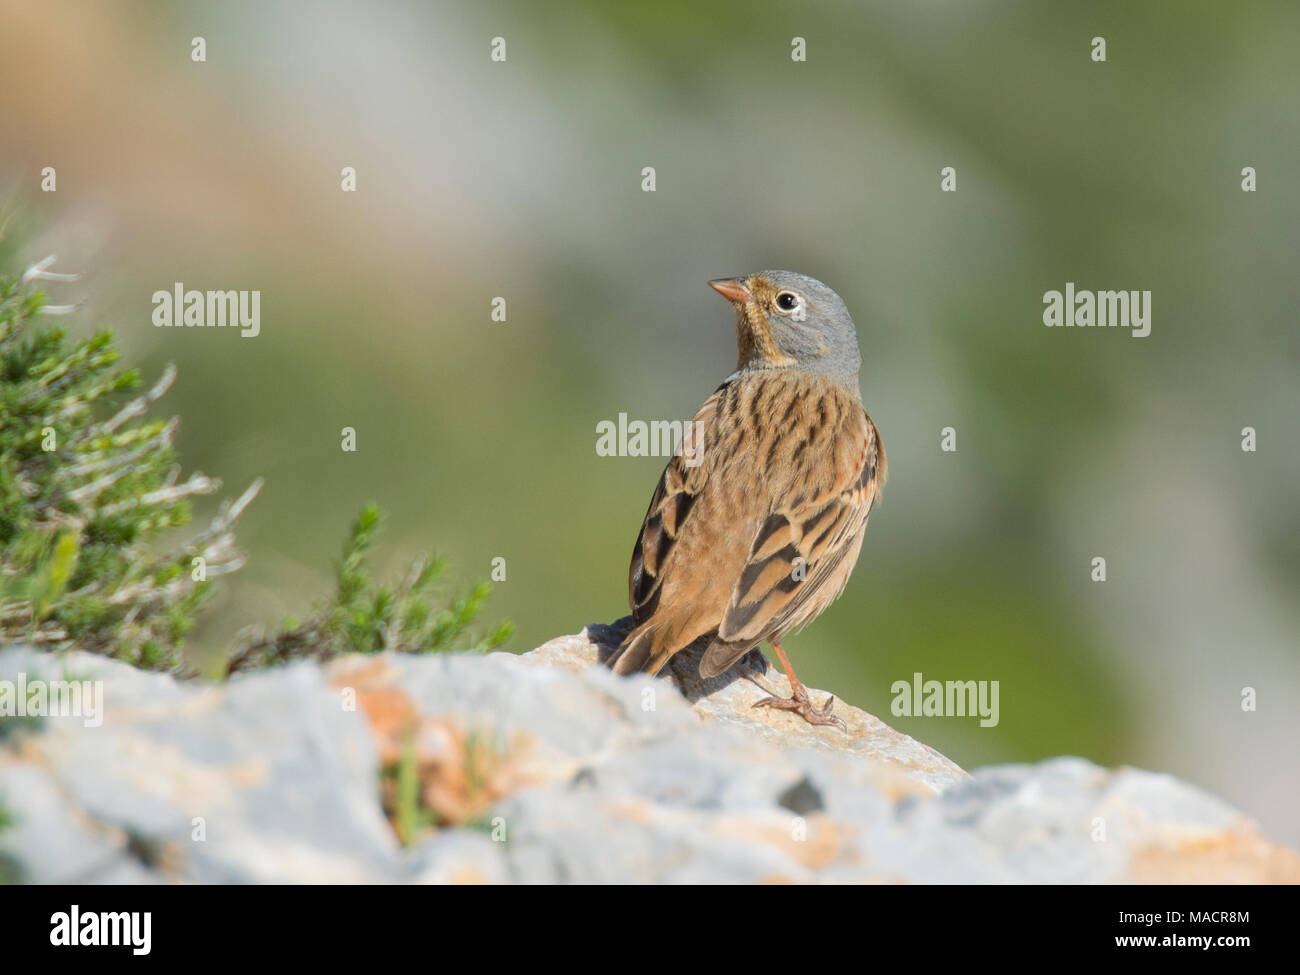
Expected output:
(798, 701)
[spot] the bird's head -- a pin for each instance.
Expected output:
(786, 320)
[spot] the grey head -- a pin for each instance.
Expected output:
(786, 320)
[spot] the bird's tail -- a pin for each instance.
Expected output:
(639, 653)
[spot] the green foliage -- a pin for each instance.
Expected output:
(87, 484)
(368, 620)
(454, 786)
(8, 871)
(400, 781)
(360, 617)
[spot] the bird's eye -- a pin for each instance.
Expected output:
(787, 301)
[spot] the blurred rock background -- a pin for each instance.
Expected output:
(544, 768)
(522, 179)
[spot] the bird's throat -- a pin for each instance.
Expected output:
(755, 344)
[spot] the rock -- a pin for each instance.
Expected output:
(871, 749)
(257, 780)
(544, 768)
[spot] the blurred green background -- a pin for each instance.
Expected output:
(522, 179)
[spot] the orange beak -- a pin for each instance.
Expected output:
(733, 289)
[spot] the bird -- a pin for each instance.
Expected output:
(753, 533)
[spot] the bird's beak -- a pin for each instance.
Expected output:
(733, 289)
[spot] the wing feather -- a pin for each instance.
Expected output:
(790, 472)
(801, 559)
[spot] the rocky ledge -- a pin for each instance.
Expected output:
(542, 768)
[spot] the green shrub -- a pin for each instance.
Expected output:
(87, 486)
(361, 618)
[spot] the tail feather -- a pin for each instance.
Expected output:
(639, 654)
(721, 654)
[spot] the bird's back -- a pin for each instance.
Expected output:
(762, 534)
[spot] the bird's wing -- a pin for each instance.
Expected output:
(802, 554)
(784, 464)
(696, 534)
(680, 486)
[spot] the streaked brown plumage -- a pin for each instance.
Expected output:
(791, 467)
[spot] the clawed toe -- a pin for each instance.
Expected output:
(800, 703)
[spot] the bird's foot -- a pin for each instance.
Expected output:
(802, 705)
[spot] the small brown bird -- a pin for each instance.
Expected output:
(756, 534)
